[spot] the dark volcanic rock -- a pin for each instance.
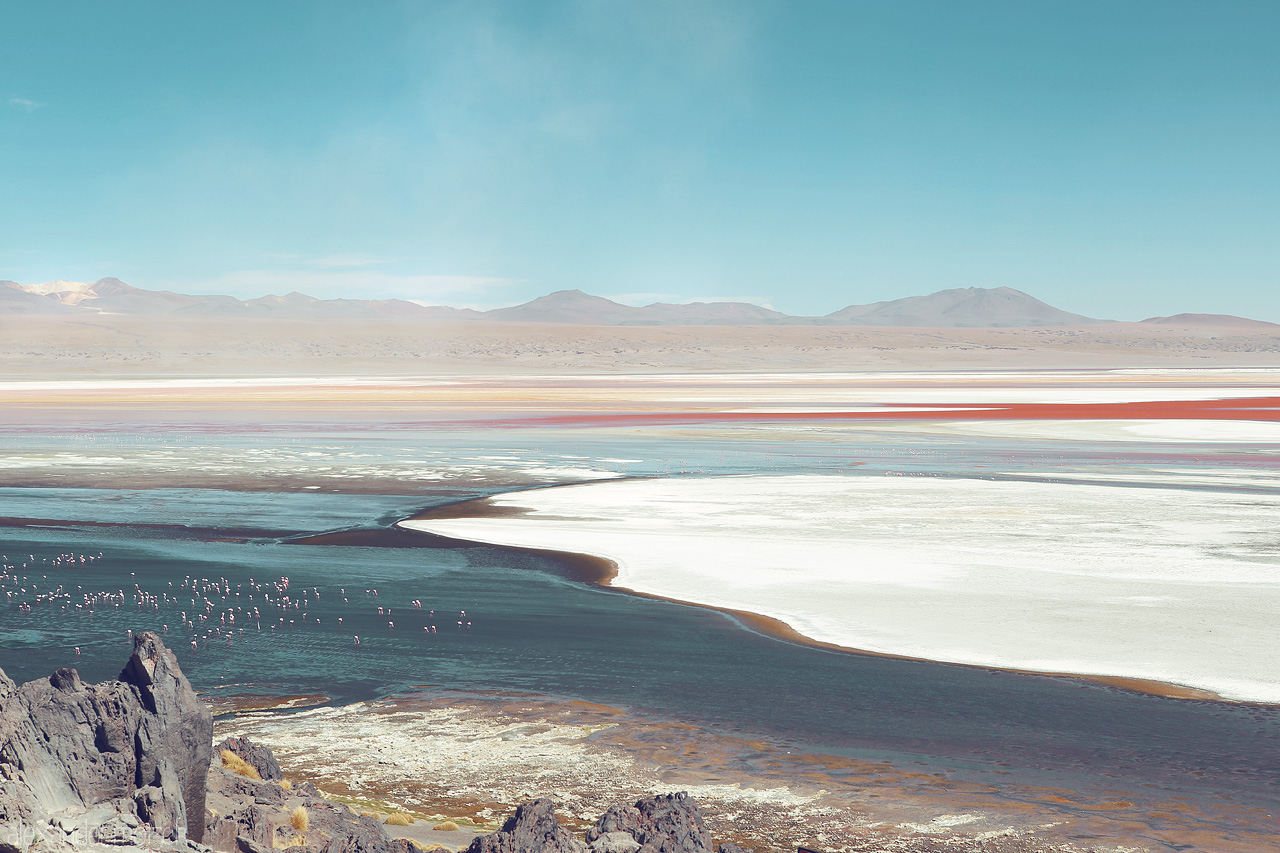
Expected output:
(257, 816)
(532, 829)
(347, 833)
(250, 823)
(259, 756)
(140, 746)
(305, 789)
(252, 790)
(174, 741)
(667, 823)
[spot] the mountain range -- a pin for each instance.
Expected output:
(957, 307)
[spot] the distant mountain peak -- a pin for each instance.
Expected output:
(565, 306)
(48, 287)
(961, 306)
(952, 307)
(1221, 320)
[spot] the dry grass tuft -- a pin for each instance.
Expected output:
(236, 764)
(447, 826)
(299, 819)
(399, 819)
(286, 783)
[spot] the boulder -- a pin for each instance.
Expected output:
(348, 833)
(116, 832)
(666, 823)
(248, 824)
(257, 755)
(139, 746)
(532, 829)
(615, 842)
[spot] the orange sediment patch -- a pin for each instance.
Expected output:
(247, 703)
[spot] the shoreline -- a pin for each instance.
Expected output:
(756, 789)
(600, 571)
(597, 571)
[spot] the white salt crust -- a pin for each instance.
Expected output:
(1174, 585)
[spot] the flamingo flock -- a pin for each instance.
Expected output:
(207, 610)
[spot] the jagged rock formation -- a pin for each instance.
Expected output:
(667, 823)
(248, 815)
(263, 822)
(126, 763)
(260, 757)
(106, 759)
(532, 829)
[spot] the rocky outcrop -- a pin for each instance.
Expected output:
(174, 741)
(248, 815)
(667, 823)
(130, 754)
(244, 826)
(346, 832)
(259, 756)
(532, 829)
(127, 764)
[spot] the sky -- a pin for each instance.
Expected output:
(1116, 159)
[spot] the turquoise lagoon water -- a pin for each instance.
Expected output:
(533, 628)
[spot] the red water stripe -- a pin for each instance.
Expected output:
(1238, 409)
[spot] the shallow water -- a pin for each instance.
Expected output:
(535, 629)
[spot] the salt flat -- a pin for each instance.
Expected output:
(1174, 585)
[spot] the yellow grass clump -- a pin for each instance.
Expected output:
(447, 826)
(299, 819)
(399, 819)
(286, 783)
(236, 764)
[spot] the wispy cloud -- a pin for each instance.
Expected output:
(25, 104)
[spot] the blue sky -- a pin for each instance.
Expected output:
(1118, 159)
